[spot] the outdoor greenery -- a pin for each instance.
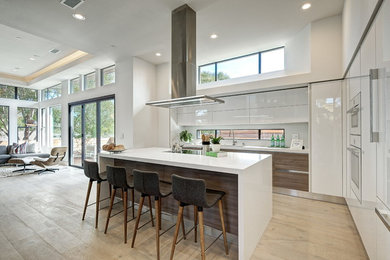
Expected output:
(27, 94)
(4, 114)
(52, 92)
(55, 117)
(27, 124)
(7, 92)
(206, 76)
(108, 75)
(75, 85)
(90, 80)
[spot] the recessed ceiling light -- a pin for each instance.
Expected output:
(79, 16)
(36, 56)
(31, 58)
(158, 54)
(18, 37)
(306, 6)
(16, 68)
(213, 36)
(54, 51)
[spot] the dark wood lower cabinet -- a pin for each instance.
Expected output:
(290, 170)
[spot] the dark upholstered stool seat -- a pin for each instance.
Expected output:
(189, 191)
(91, 171)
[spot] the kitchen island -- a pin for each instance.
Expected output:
(246, 179)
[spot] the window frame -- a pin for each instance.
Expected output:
(45, 92)
(84, 80)
(102, 75)
(7, 122)
(283, 129)
(71, 91)
(17, 94)
(235, 58)
(8, 86)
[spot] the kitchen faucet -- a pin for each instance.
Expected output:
(234, 139)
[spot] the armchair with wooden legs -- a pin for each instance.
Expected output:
(57, 154)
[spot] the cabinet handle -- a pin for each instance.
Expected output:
(383, 218)
(374, 134)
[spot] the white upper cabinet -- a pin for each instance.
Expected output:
(383, 36)
(367, 53)
(282, 106)
(354, 71)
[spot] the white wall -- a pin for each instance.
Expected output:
(325, 47)
(145, 118)
(163, 85)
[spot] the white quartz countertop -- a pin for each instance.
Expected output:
(234, 163)
(252, 148)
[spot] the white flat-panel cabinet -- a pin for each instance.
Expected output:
(367, 53)
(231, 117)
(382, 234)
(326, 138)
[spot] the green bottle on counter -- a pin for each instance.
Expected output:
(272, 141)
(282, 142)
(277, 143)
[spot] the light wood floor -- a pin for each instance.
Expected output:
(40, 218)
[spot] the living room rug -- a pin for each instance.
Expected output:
(7, 171)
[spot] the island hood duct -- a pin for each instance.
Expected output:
(184, 62)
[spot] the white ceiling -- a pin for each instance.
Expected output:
(17, 47)
(117, 29)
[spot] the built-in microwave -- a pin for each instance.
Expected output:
(355, 119)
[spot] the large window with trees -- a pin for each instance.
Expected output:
(252, 64)
(4, 125)
(52, 92)
(27, 124)
(92, 124)
(55, 126)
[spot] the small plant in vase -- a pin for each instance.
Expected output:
(216, 144)
(185, 136)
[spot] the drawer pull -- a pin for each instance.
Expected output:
(291, 171)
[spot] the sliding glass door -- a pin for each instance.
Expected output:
(91, 124)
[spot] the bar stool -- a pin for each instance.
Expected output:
(190, 191)
(91, 170)
(119, 179)
(149, 184)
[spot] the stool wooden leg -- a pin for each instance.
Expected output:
(196, 223)
(223, 226)
(151, 210)
(141, 203)
(110, 209)
(132, 201)
(178, 222)
(201, 227)
(109, 188)
(125, 215)
(182, 226)
(97, 203)
(87, 198)
(157, 206)
(159, 212)
(122, 193)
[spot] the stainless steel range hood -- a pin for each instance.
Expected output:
(184, 62)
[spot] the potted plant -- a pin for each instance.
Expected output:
(216, 144)
(185, 136)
